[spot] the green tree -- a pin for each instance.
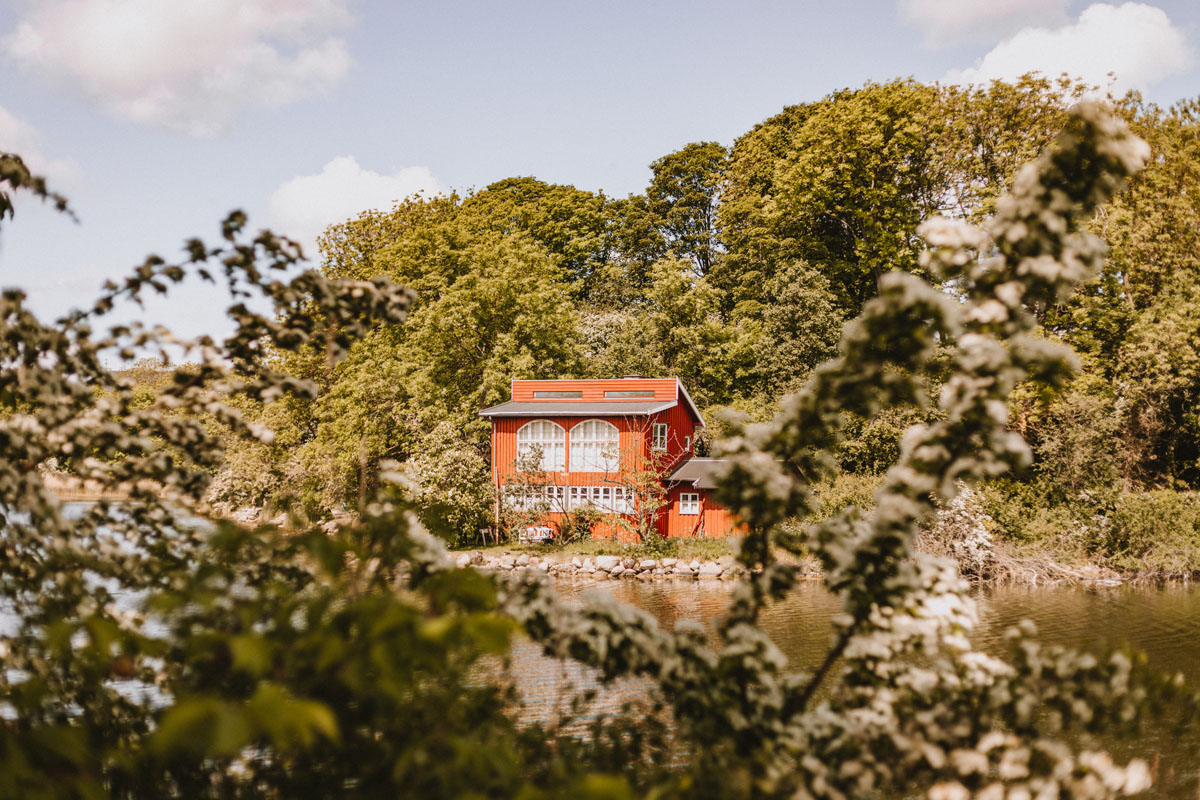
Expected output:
(847, 180)
(1139, 322)
(509, 316)
(683, 194)
(572, 225)
(987, 132)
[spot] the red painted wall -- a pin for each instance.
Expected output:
(593, 390)
(635, 438)
(713, 522)
(504, 447)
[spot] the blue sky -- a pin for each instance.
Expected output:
(159, 117)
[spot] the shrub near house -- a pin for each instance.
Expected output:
(613, 457)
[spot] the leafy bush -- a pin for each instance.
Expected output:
(1156, 531)
(452, 486)
(844, 489)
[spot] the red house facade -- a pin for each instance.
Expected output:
(621, 448)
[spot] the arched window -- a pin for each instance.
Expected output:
(547, 438)
(594, 447)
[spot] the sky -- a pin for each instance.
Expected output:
(157, 118)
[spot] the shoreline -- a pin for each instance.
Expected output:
(1026, 571)
(693, 558)
(604, 567)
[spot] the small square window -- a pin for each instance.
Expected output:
(579, 498)
(689, 503)
(660, 436)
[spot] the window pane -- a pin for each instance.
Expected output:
(547, 438)
(660, 436)
(594, 447)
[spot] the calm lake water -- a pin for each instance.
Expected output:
(1162, 621)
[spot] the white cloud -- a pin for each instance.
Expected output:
(185, 65)
(18, 136)
(1136, 42)
(305, 205)
(950, 21)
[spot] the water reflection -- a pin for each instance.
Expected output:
(1161, 621)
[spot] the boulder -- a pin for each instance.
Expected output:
(695, 565)
(463, 561)
(616, 570)
(575, 562)
(507, 562)
(522, 560)
(669, 562)
(607, 562)
(589, 565)
(710, 570)
(645, 564)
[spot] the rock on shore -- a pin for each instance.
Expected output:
(604, 567)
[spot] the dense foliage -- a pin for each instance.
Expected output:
(735, 271)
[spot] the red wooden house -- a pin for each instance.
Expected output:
(622, 447)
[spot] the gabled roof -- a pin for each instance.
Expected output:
(699, 472)
(559, 408)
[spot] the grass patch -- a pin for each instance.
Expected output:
(688, 549)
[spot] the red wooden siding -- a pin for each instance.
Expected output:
(713, 522)
(504, 447)
(681, 430)
(718, 520)
(672, 523)
(593, 390)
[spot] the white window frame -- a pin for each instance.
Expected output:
(689, 503)
(659, 434)
(547, 435)
(578, 497)
(528, 498)
(595, 446)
